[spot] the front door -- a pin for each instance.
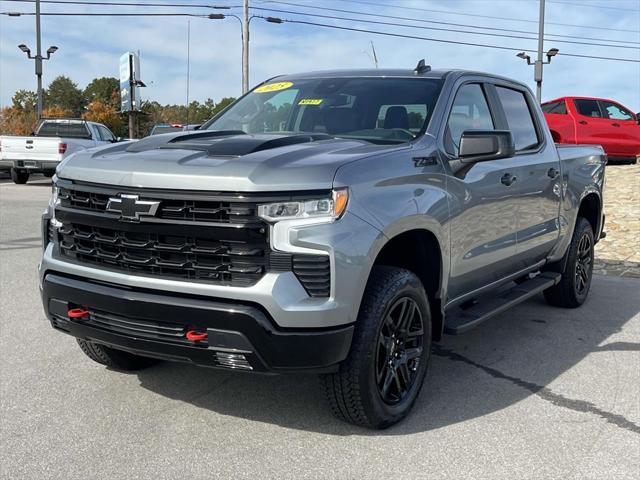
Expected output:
(623, 128)
(483, 217)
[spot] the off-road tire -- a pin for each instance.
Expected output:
(565, 294)
(116, 359)
(19, 177)
(353, 392)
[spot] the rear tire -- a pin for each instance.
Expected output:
(19, 177)
(116, 359)
(378, 383)
(573, 288)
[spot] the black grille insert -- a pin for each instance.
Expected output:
(314, 273)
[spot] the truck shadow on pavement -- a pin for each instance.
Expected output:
(509, 358)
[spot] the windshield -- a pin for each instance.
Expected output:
(380, 110)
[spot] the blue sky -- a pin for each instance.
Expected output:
(91, 46)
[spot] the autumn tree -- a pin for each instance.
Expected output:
(103, 112)
(14, 121)
(25, 100)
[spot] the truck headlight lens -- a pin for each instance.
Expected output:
(332, 208)
(53, 203)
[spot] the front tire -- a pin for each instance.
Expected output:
(573, 288)
(116, 359)
(19, 177)
(378, 383)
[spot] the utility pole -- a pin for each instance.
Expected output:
(39, 59)
(375, 57)
(539, 62)
(132, 87)
(245, 46)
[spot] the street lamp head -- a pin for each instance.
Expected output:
(24, 48)
(216, 16)
(523, 56)
(52, 49)
(552, 53)
(274, 20)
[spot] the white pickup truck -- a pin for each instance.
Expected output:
(52, 142)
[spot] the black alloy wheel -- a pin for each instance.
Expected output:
(584, 265)
(399, 349)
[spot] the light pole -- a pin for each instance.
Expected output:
(38, 57)
(244, 33)
(538, 68)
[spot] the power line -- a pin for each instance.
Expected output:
(455, 42)
(497, 29)
(94, 14)
(126, 4)
(511, 19)
(595, 6)
(317, 15)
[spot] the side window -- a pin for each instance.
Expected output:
(470, 111)
(519, 118)
(616, 112)
(106, 134)
(558, 108)
(588, 108)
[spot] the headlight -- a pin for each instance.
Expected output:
(332, 208)
(53, 203)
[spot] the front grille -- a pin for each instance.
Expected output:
(166, 332)
(167, 255)
(215, 238)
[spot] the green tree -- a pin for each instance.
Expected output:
(105, 90)
(64, 93)
(25, 100)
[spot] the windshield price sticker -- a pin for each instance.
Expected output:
(310, 101)
(274, 87)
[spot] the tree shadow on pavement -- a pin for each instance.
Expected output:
(502, 362)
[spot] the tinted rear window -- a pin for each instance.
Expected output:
(519, 118)
(65, 130)
(588, 108)
(559, 108)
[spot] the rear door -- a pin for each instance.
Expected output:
(536, 168)
(623, 128)
(483, 217)
(591, 125)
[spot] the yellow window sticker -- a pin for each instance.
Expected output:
(273, 87)
(310, 101)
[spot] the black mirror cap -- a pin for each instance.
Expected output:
(483, 145)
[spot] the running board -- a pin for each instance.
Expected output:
(462, 320)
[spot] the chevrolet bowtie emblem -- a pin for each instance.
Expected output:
(130, 207)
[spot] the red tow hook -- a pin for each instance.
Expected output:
(78, 313)
(195, 336)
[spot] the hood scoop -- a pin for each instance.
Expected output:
(157, 141)
(239, 145)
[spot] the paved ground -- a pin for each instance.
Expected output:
(537, 393)
(619, 253)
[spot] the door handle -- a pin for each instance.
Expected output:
(583, 122)
(507, 179)
(615, 124)
(553, 173)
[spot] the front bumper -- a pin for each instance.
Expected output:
(150, 323)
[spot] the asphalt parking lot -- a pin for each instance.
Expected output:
(536, 393)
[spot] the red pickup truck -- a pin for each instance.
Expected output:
(595, 121)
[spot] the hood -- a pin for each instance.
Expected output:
(221, 161)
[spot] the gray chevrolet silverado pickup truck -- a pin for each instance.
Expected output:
(329, 222)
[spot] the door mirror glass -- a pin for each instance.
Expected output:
(483, 145)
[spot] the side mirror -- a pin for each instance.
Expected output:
(116, 140)
(483, 145)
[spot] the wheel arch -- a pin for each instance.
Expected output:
(419, 251)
